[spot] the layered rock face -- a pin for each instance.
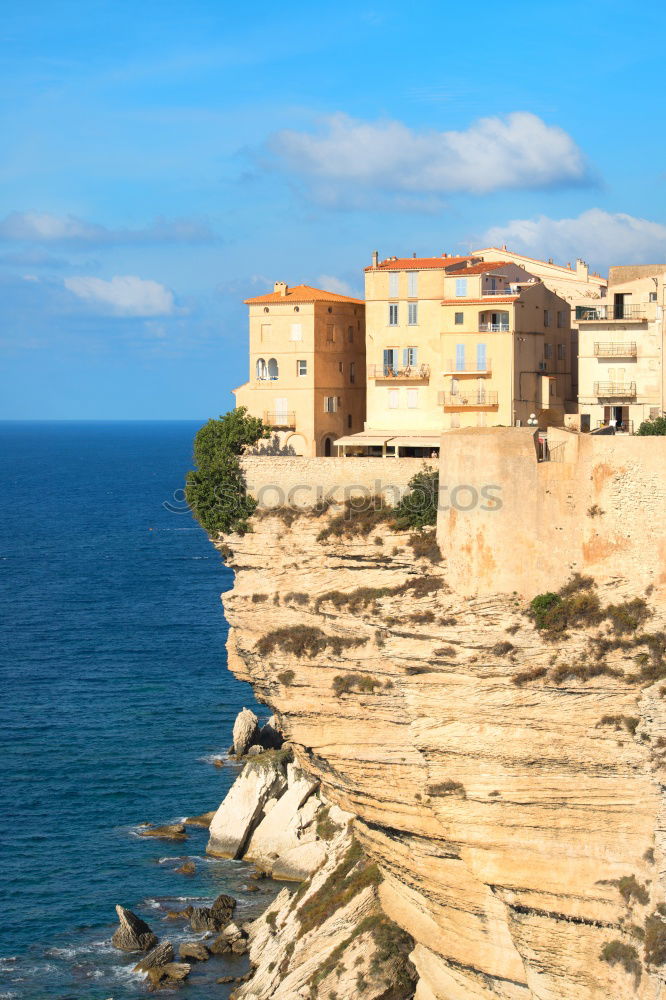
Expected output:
(508, 785)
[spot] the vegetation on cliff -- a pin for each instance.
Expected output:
(216, 490)
(652, 428)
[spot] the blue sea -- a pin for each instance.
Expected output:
(115, 704)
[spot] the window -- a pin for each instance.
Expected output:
(454, 386)
(261, 369)
(412, 284)
(561, 352)
(349, 421)
(393, 285)
(459, 318)
(409, 356)
(265, 332)
(653, 297)
(273, 370)
(296, 331)
(461, 287)
(547, 350)
(546, 317)
(352, 372)
(330, 404)
(393, 314)
(393, 399)
(341, 367)
(390, 361)
(460, 357)
(330, 333)
(481, 360)
(412, 313)
(412, 399)
(561, 318)
(301, 367)
(350, 334)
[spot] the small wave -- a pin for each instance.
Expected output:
(8, 961)
(213, 758)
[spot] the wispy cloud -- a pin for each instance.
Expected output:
(46, 228)
(332, 284)
(123, 295)
(348, 157)
(602, 238)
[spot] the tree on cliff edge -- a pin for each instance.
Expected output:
(215, 490)
(653, 426)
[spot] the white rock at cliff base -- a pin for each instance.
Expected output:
(246, 731)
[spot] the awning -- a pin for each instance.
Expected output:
(364, 438)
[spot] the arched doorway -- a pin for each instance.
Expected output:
(328, 447)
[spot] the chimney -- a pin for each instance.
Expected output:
(281, 288)
(582, 269)
(504, 246)
(375, 258)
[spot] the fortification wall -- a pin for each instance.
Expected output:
(519, 525)
(276, 480)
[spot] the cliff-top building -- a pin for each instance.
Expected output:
(458, 342)
(307, 367)
(621, 350)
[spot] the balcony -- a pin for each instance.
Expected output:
(395, 373)
(498, 291)
(627, 350)
(493, 328)
(614, 389)
(623, 427)
(468, 369)
(618, 313)
(468, 400)
(279, 419)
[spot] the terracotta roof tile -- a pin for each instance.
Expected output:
(302, 293)
(491, 265)
(417, 263)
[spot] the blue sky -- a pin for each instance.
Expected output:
(162, 161)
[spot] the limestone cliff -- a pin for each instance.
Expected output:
(506, 780)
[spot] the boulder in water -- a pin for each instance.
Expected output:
(187, 868)
(167, 976)
(202, 919)
(194, 950)
(168, 831)
(222, 908)
(162, 954)
(246, 731)
(204, 819)
(134, 934)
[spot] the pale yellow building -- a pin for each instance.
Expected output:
(575, 284)
(621, 348)
(307, 367)
(456, 342)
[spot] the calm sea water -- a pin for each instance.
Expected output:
(115, 701)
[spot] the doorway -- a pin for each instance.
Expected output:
(328, 447)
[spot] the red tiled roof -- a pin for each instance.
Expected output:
(417, 263)
(538, 260)
(491, 265)
(487, 300)
(302, 293)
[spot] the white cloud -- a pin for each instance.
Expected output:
(332, 284)
(124, 295)
(44, 227)
(602, 238)
(517, 151)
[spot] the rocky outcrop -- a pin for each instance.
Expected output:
(246, 732)
(508, 784)
(167, 831)
(165, 977)
(162, 954)
(196, 951)
(134, 934)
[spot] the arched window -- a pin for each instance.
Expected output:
(273, 370)
(261, 368)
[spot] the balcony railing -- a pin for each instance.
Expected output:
(461, 400)
(494, 327)
(628, 311)
(455, 367)
(392, 372)
(628, 350)
(279, 418)
(614, 388)
(498, 291)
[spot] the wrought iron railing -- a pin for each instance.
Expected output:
(626, 350)
(417, 372)
(462, 399)
(279, 418)
(614, 312)
(614, 388)
(621, 426)
(494, 327)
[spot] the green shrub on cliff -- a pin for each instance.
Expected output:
(216, 490)
(418, 508)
